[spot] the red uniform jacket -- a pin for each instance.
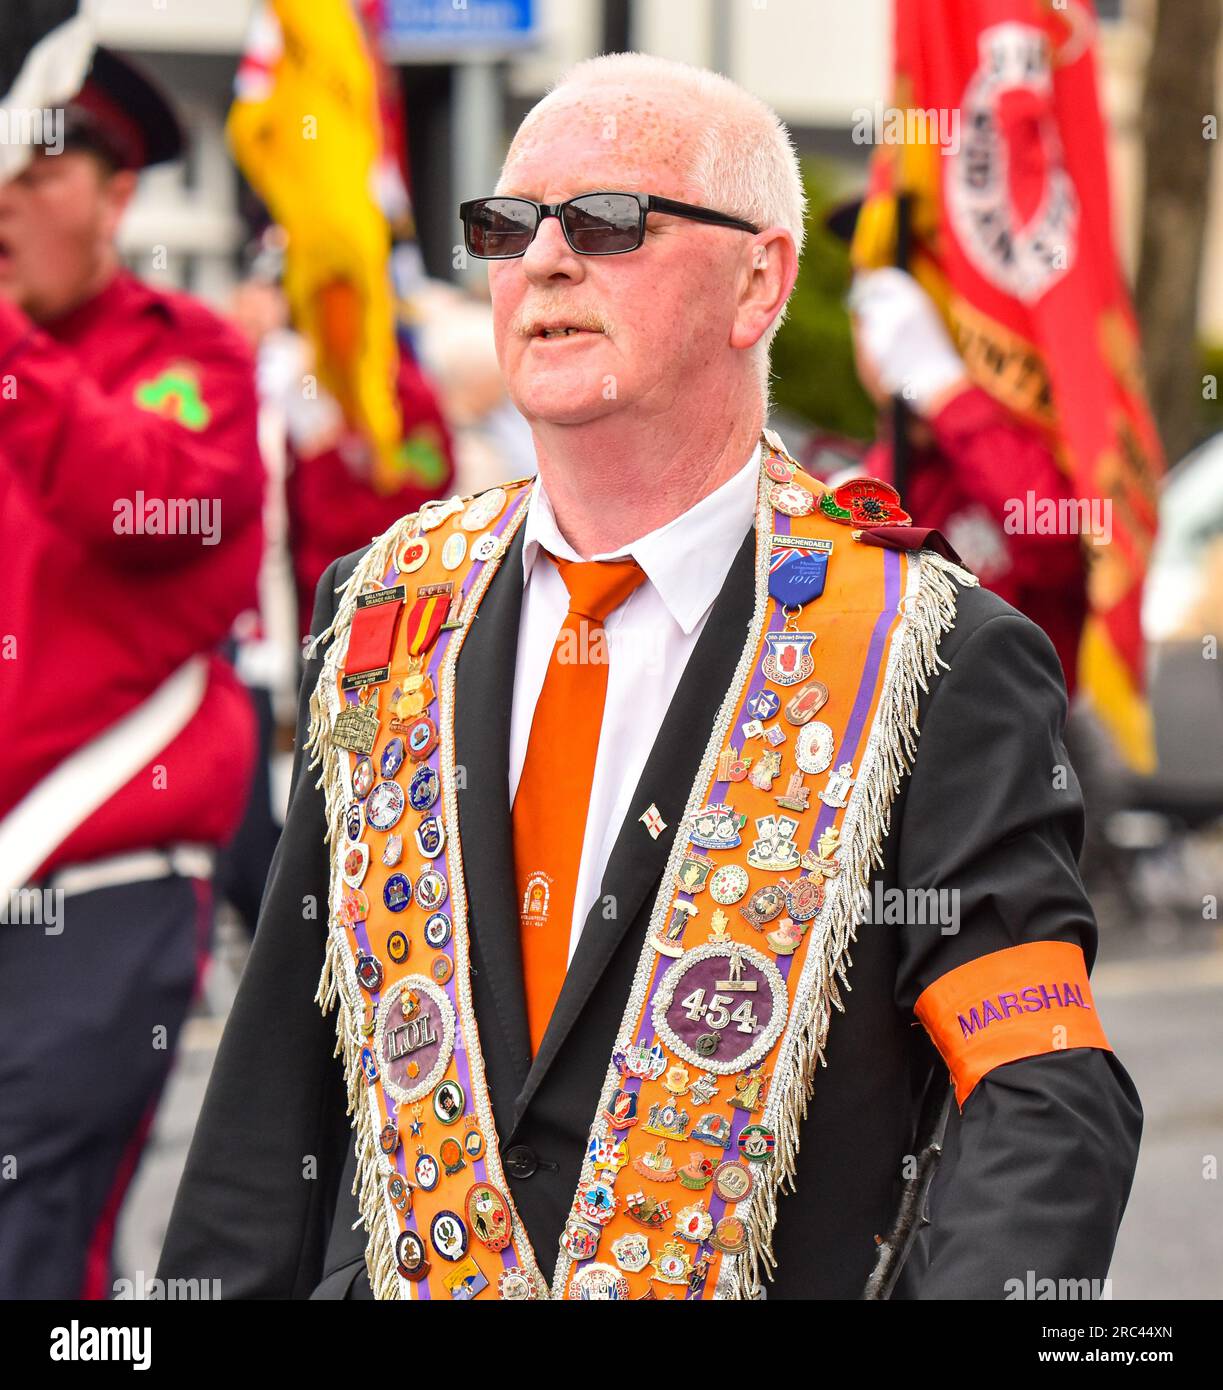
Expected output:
(333, 509)
(135, 392)
(981, 461)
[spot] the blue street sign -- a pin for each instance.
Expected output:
(422, 26)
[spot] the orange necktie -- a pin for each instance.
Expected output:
(549, 816)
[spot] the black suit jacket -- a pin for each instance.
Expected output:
(1037, 1167)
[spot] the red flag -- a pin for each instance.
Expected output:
(997, 137)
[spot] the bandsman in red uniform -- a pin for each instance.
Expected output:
(969, 462)
(130, 530)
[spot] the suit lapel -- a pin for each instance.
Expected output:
(637, 860)
(484, 696)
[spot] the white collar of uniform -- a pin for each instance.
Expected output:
(675, 556)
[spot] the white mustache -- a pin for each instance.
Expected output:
(527, 322)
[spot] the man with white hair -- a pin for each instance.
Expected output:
(615, 767)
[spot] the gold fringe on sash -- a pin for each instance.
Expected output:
(367, 1188)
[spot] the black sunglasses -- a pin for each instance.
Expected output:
(594, 224)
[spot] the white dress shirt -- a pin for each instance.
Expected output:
(649, 640)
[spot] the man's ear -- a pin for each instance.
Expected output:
(769, 273)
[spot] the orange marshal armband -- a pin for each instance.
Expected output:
(1015, 1003)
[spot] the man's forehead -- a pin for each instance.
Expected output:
(634, 142)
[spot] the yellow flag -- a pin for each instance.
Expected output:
(304, 129)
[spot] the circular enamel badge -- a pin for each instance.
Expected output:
(483, 510)
(423, 789)
(437, 930)
(441, 969)
(362, 777)
(733, 1181)
(813, 747)
(412, 555)
(422, 739)
(355, 864)
(729, 1236)
(728, 884)
(514, 1285)
(385, 805)
(599, 1282)
(721, 1006)
(779, 469)
(414, 1035)
(397, 894)
(449, 1102)
(765, 905)
(427, 1171)
(454, 552)
(431, 890)
(410, 1256)
(397, 947)
(488, 547)
(791, 498)
(397, 1190)
(757, 1143)
(488, 1216)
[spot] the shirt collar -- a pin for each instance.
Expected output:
(675, 556)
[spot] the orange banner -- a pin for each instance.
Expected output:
(996, 137)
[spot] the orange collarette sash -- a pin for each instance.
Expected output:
(696, 1130)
